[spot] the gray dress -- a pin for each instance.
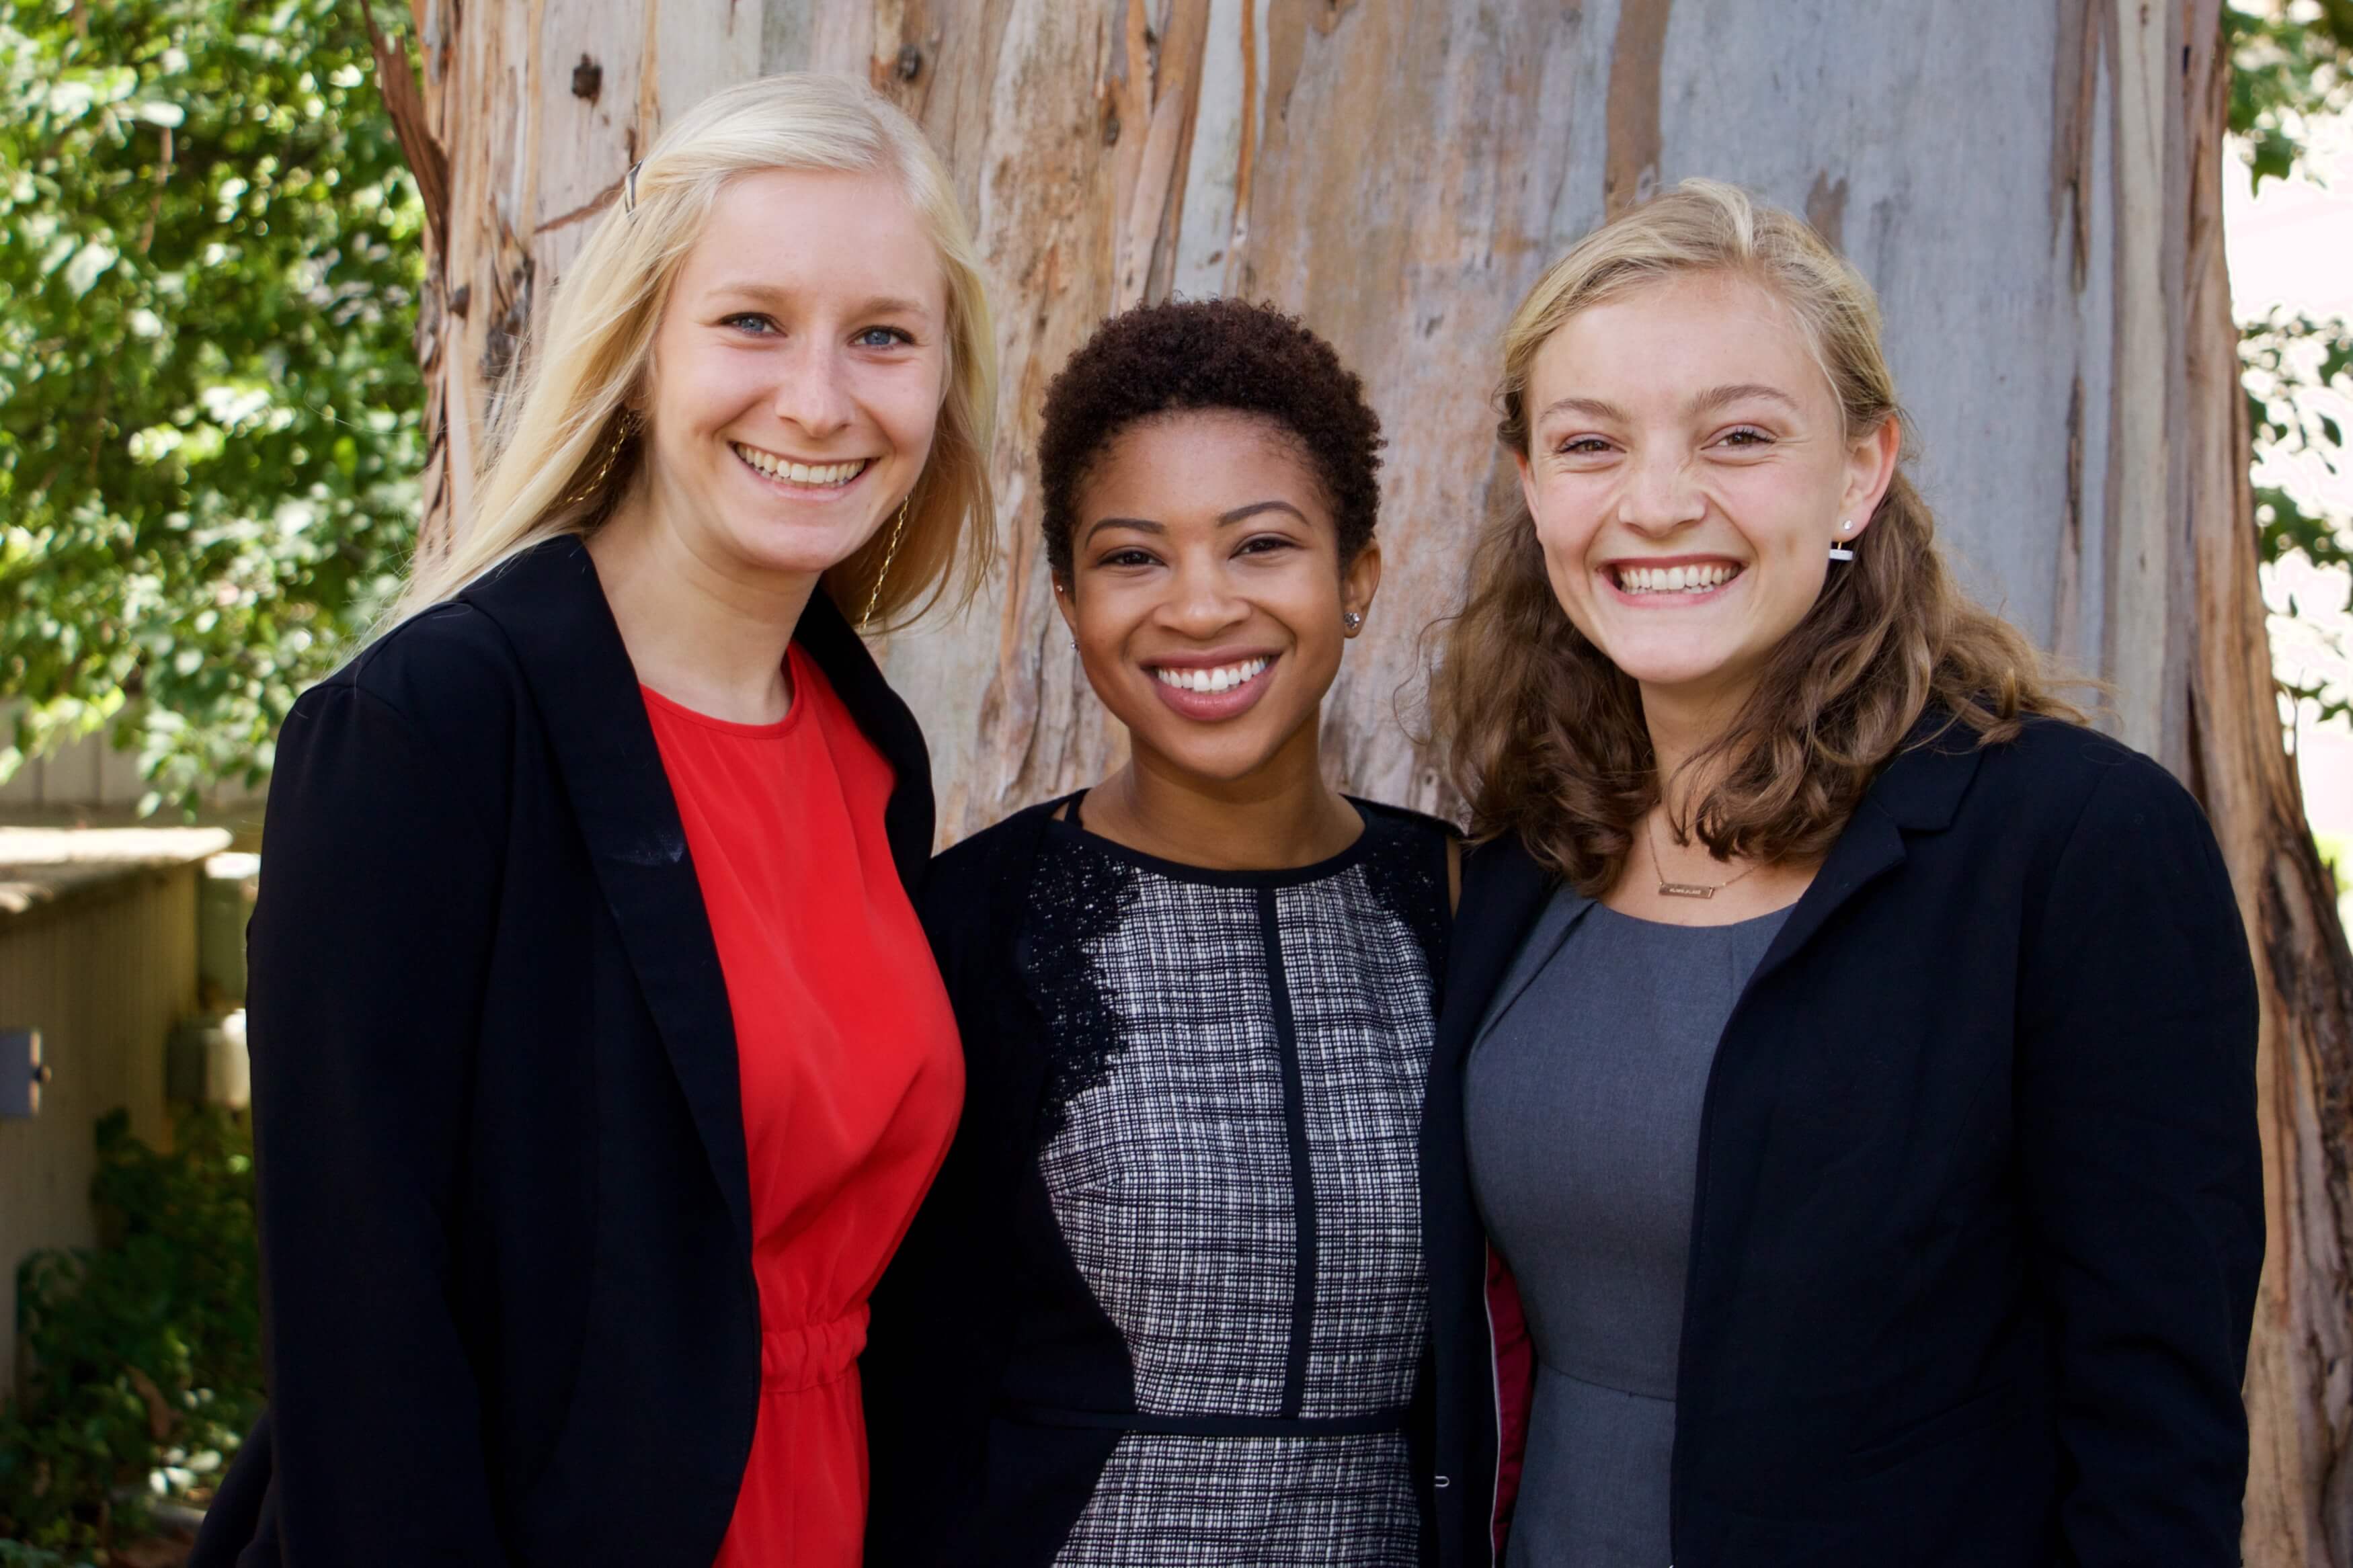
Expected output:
(1583, 1105)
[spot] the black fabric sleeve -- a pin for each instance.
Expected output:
(2141, 1174)
(367, 949)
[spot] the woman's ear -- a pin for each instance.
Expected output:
(1870, 469)
(1069, 610)
(1359, 581)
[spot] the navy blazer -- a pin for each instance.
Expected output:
(505, 1218)
(1979, 1205)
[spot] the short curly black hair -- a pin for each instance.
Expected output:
(1202, 355)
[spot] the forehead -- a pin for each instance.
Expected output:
(1677, 336)
(1200, 463)
(815, 234)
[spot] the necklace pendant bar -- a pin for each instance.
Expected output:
(1686, 890)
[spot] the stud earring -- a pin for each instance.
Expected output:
(1350, 619)
(1840, 552)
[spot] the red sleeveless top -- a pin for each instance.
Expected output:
(851, 1074)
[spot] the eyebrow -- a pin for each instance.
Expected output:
(1716, 397)
(881, 305)
(1225, 519)
(1713, 398)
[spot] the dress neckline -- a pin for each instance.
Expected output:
(798, 665)
(1076, 831)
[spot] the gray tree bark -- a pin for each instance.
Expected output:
(2031, 184)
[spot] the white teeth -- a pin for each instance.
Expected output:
(1675, 579)
(831, 475)
(1223, 679)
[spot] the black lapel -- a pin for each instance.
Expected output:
(884, 719)
(1916, 793)
(553, 610)
(1553, 921)
(1504, 893)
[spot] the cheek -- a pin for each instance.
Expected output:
(908, 409)
(1564, 535)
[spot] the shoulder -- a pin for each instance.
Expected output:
(447, 675)
(1416, 824)
(966, 881)
(1016, 836)
(2060, 775)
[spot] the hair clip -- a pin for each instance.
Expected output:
(629, 196)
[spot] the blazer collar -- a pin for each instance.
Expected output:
(1919, 792)
(548, 602)
(1503, 893)
(827, 636)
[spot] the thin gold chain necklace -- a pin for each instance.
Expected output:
(1680, 889)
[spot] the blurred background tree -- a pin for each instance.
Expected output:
(209, 260)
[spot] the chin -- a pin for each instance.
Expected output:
(799, 552)
(1222, 761)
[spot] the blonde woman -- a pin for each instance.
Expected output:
(1850, 1056)
(600, 1060)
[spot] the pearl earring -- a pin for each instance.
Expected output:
(1839, 551)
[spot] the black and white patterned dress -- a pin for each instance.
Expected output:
(1227, 1143)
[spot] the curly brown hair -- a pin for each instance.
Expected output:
(1203, 356)
(1544, 737)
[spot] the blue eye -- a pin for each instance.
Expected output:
(750, 321)
(882, 338)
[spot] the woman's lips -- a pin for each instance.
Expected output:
(816, 481)
(1244, 682)
(1658, 590)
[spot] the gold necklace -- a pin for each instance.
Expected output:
(1680, 889)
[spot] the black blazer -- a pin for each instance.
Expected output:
(505, 1220)
(1979, 1205)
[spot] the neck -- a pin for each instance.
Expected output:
(708, 633)
(1682, 725)
(1279, 816)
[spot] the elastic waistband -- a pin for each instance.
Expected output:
(1207, 1425)
(811, 1354)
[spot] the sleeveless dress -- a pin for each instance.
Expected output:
(851, 1073)
(1230, 1158)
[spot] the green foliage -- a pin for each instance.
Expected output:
(141, 1359)
(2285, 360)
(209, 258)
(2291, 62)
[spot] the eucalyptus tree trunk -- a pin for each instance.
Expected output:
(2031, 184)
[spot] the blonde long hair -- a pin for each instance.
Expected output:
(563, 456)
(1544, 737)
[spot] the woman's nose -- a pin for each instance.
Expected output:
(814, 392)
(1659, 495)
(1203, 601)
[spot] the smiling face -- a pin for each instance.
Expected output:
(1207, 593)
(1688, 470)
(797, 371)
